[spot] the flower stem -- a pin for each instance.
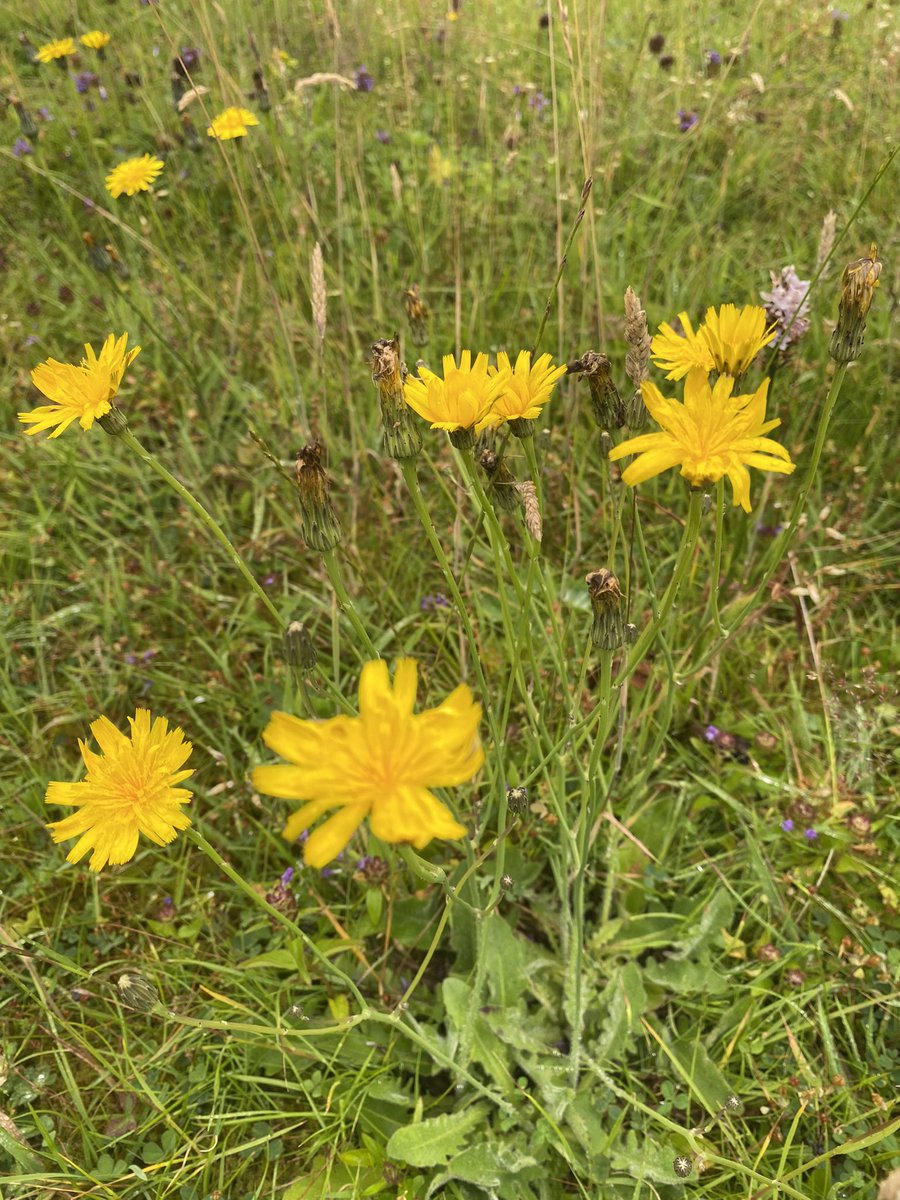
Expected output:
(330, 969)
(206, 518)
(579, 217)
(329, 558)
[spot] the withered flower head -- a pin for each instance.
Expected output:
(503, 488)
(299, 648)
(401, 435)
(858, 284)
(608, 632)
(609, 411)
(319, 523)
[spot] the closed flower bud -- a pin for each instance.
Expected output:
(503, 489)
(401, 435)
(299, 650)
(319, 523)
(608, 632)
(138, 993)
(858, 284)
(609, 411)
(517, 800)
(114, 422)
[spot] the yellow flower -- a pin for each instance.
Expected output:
(133, 175)
(81, 393)
(526, 390)
(232, 123)
(735, 336)
(440, 167)
(95, 40)
(128, 789)
(58, 49)
(727, 341)
(712, 434)
(380, 764)
(461, 399)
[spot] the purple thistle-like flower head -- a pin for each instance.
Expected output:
(810, 834)
(84, 81)
(787, 825)
(363, 80)
(21, 147)
(686, 120)
(382, 135)
(713, 58)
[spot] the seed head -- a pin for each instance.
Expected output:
(417, 315)
(503, 489)
(605, 400)
(858, 284)
(319, 523)
(608, 632)
(299, 648)
(682, 1166)
(637, 360)
(401, 435)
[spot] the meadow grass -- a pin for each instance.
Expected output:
(569, 1007)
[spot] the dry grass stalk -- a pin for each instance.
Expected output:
(826, 238)
(317, 272)
(528, 492)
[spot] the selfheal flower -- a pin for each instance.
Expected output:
(713, 58)
(686, 120)
(84, 81)
(787, 825)
(810, 834)
(538, 102)
(711, 733)
(363, 80)
(20, 147)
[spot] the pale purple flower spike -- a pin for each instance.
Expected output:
(787, 306)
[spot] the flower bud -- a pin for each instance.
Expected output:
(299, 649)
(319, 523)
(858, 284)
(114, 422)
(401, 435)
(517, 800)
(138, 993)
(608, 632)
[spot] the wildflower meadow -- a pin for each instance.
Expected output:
(449, 535)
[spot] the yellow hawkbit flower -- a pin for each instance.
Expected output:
(232, 123)
(83, 393)
(53, 50)
(133, 175)
(525, 391)
(95, 40)
(441, 169)
(462, 399)
(129, 789)
(710, 435)
(381, 764)
(727, 341)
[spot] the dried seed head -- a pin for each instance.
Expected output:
(317, 278)
(608, 632)
(858, 284)
(299, 648)
(528, 492)
(733, 1105)
(319, 523)
(138, 993)
(605, 400)
(417, 315)
(502, 491)
(517, 800)
(637, 360)
(826, 239)
(401, 435)
(374, 870)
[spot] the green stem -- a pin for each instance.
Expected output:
(206, 518)
(579, 217)
(783, 542)
(717, 558)
(334, 971)
(329, 558)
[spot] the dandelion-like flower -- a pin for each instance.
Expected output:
(381, 764)
(83, 393)
(727, 341)
(129, 789)
(232, 123)
(133, 175)
(95, 40)
(526, 390)
(462, 399)
(50, 51)
(710, 435)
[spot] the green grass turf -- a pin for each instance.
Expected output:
(719, 954)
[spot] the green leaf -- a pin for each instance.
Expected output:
(486, 1166)
(434, 1141)
(286, 958)
(624, 1001)
(715, 916)
(504, 961)
(475, 1034)
(676, 975)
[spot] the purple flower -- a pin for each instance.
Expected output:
(286, 876)
(538, 102)
(433, 600)
(21, 147)
(84, 81)
(838, 15)
(713, 58)
(810, 835)
(363, 80)
(270, 580)
(686, 120)
(190, 57)
(382, 135)
(31, 339)
(711, 733)
(44, 113)
(327, 872)
(787, 306)
(131, 659)
(787, 824)
(518, 89)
